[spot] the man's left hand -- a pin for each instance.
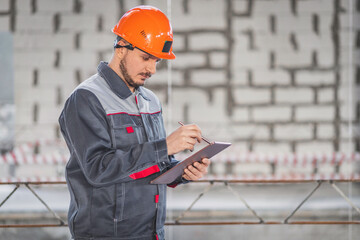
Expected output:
(197, 170)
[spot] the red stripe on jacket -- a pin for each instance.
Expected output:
(146, 172)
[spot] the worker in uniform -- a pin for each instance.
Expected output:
(115, 133)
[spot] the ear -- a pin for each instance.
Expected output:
(120, 52)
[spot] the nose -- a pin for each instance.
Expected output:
(151, 67)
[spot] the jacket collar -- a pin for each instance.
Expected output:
(116, 84)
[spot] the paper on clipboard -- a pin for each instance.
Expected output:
(207, 152)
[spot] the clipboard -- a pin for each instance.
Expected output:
(207, 152)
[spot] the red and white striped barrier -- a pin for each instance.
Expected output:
(26, 159)
(291, 159)
(20, 157)
(30, 146)
(241, 177)
(36, 179)
(283, 177)
(24, 154)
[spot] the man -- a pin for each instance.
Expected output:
(115, 133)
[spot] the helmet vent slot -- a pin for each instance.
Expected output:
(143, 33)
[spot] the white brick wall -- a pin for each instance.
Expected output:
(251, 96)
(315, 147)
(259, 24)
(265, 7)
(271, 114)
(43, 41)
(273, 97)
(315, 113)
(23, 7)
(79, 23)
(267, 42)
(325, 58)
(161, 77)
(215, 111)
(179, 42)
(291, 59)
(54, 6)
(294, 95)
(239, 6)
(75, 59)
(208, 77)
(26, 132)
(321, 6)
(33, 59)
(212, 16)
(4, 6)
(92, 41)
(50, 78)
(94, 7)
(240, 78)
(325, 131)
(267, 148)
(293, 132)
(286, 23)
(311, 41)
(218, 59)
(200, 107)
(315, 78)
(250, 59)
(33, 24)
(204, 41)
(251, 131)
(240, 114)
(23, 80)
(325, 95)
(268, 77)
(189, 60)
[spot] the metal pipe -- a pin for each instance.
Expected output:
(8, 196)
(205, 223)
(303, 201)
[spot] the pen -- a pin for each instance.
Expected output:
(206, 140)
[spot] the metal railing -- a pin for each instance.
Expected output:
(228, 184)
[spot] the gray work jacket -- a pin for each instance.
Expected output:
(117, 145)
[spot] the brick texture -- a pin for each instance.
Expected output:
(268, 76)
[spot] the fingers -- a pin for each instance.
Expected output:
(196, 170)
(205, 161)
(192, 131)
(184, 137)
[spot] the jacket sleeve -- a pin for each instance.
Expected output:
(180, 179)
(85, 128)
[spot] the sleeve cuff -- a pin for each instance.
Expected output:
(161, 152)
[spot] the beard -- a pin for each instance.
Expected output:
(127, 78)
(126, 75)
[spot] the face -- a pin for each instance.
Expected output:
(136, 67)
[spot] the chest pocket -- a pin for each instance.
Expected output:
(155, 126)
(127, 130)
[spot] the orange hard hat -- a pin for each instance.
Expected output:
(148, 29)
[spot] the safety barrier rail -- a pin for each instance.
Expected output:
(22, 156)
(227, 184)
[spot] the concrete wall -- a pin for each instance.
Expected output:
(267, 75)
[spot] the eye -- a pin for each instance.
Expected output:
(146, 58)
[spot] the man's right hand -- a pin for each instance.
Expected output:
(185, 137)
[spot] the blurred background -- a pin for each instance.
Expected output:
(279, 79)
